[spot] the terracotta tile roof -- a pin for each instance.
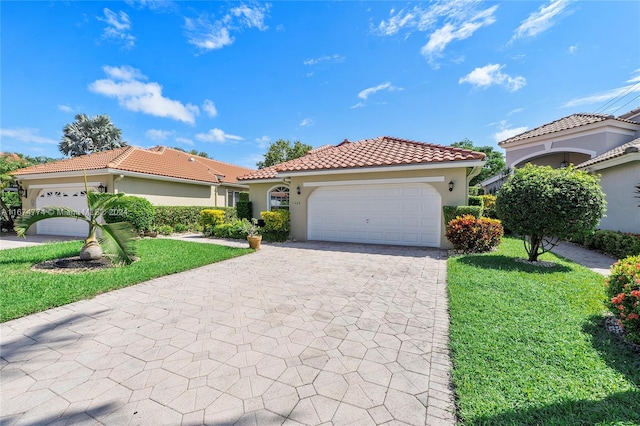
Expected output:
(565, 123)
(377, 152)
(159, 161)
(627, 148)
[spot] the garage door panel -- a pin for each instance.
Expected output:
(398, 214)
(74, 198)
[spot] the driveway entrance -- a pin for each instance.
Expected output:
(302, 333)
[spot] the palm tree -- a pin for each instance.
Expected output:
(118, 239)
(87, 135)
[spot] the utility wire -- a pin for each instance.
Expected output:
(617, 98)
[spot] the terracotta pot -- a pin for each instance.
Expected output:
(254, 241)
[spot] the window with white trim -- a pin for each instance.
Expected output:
(232, 198)
(279, 198)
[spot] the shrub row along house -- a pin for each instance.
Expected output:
(383, 190)
(598, 143)
(164, 176)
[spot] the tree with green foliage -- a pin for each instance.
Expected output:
(9, 199)
(87, 135)
(281, 151)
(194, 152)
(544, 205)
(117, 239)
(495, 160)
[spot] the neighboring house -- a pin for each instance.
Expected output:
(382, 191)
(598, 143)
(164, 176)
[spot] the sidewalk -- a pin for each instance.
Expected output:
(597, 262)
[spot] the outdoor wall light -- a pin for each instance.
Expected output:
(298, 190)
(102, 188)
(450, 185)
(22, 192)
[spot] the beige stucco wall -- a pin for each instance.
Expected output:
(167, 193)
(618, 183)
(298, 203)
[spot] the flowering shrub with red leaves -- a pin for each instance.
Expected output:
(469, 234)
(623, 290)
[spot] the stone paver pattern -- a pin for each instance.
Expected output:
(300, 333)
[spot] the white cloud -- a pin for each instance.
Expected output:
(25, 135)
(263, 141)
(184, 141)
(325, 59)
(217, 135)
(65, 108)
(118, 27)
(252, 17)
(443, 20)
(208, 33)
(573, 49)
(541, 20)
(210, 108)
(158, 135)
(364, 94)
(456, 30)
(306, 122)
(633, 86)
(358, 105)
(491, 74)
(507, 133)
(128, 85)
(515, 111)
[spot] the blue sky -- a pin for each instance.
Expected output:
(227, 78)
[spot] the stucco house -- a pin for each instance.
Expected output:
(164, 176)
(598, 143)
(383, 191)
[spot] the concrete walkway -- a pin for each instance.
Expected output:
(597, 262)
(302, 333)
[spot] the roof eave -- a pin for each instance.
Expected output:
(611, 162)
(628, 127)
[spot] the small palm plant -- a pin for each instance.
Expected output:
(118, 239)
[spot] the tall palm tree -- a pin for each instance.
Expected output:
(118, 239)
(87, 135)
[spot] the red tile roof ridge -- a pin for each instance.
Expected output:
(571, 121)
(120, 158)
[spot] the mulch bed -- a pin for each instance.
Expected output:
(612, 326)
(72, 265)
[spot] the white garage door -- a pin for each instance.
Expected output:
(74, 198)
(395, 214)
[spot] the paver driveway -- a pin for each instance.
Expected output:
(304, 333)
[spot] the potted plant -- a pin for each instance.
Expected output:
(253, 233)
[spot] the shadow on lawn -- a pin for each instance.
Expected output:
(616, 408)
(614, 351)
(506, 263)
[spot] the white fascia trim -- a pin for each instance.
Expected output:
(430, 166)
(626, 158)
(374, 181)
(271, 180)
(234, 185)
(76, 173)
(64, 185)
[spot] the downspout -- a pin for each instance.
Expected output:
(471, 173)
(116, 180)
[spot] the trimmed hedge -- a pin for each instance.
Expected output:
(476, 200)
(614, 243)
(189, 216)
(244, 207)
(276, 225)
(489, 206)
(476, 190)
(138, 211)
(451, 212)
(211, 217)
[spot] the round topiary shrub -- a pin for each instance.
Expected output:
(469, 234)
(623, 290)
(138, 211)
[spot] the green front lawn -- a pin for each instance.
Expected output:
(23, 291)
(529, 345)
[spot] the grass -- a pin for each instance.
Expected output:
(529, 344)
(23, 291)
